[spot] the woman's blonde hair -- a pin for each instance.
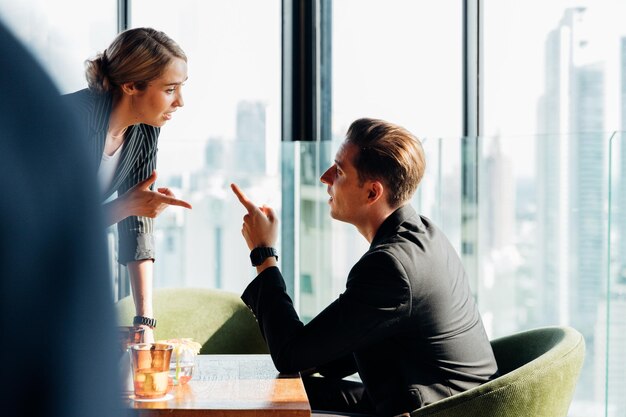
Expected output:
(135, 55)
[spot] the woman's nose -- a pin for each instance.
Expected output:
(179, 100)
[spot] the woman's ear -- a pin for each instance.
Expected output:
(129, 88)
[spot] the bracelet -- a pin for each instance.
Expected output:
(146, 321)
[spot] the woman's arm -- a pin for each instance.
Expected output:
(141, 273)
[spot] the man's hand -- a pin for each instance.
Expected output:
(260, 225)
(142, 201)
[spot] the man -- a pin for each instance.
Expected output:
(406, 322)
(57, 318)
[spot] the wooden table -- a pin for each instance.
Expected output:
(232, 385)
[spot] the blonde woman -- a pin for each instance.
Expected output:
(134, 89)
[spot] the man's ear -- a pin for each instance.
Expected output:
(376, 190)
(129, 88)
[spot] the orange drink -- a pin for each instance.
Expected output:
(151, 362)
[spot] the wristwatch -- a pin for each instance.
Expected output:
(146, 321)
(259, 255)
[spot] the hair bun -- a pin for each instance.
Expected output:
(97, 74)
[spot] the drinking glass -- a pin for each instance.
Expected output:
(127, 336)
(151, 363)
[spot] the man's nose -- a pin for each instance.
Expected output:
(326, 177)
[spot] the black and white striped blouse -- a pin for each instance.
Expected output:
(138, 160)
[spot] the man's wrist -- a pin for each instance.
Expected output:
(260, 254)
(269, 262)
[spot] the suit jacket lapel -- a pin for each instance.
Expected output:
(98, 123)
(130, 153)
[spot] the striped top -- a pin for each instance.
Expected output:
(138, 160)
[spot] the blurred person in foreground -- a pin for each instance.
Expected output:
(135, 86)
(406, 322)
(57, 320)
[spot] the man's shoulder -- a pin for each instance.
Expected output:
(385, 259)
(415, 244)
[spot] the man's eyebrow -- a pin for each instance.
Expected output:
(338, 164)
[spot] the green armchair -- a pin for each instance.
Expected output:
(216, 319)
(538, 373)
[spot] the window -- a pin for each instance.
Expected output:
(384, 65)
(552, 78)
(550, 245)
(62, 34)
(228, 131)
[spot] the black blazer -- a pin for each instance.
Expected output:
(137, 162)
(406, 322)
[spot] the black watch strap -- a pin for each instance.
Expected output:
(146, 321)
(259, 255)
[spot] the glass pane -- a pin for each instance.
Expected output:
(551, 94)
(329, 248)
(611, 332)
(540, 78)
(400, 61)
(384, 65)
(228, 131)
(62, 34)
(543, 226)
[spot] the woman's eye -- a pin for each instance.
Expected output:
(170, 90)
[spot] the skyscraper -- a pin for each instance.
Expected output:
(250, 138)
(571, 158)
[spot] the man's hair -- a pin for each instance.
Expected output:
(390, 154)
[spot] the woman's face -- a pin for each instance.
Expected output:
(163, 96)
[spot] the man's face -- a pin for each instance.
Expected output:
(154, 105)
(347, 198)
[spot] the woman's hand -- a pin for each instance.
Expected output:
(142, 201)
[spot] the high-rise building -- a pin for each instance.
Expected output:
(572, 158)
(499, 203)
(500, 259)
(250, 142)
(198, 245)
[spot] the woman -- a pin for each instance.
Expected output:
(134, 89)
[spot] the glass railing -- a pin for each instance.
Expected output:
(203, 247)
(611, 331)
(326, 249)
(532, 224)
(543, 223)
